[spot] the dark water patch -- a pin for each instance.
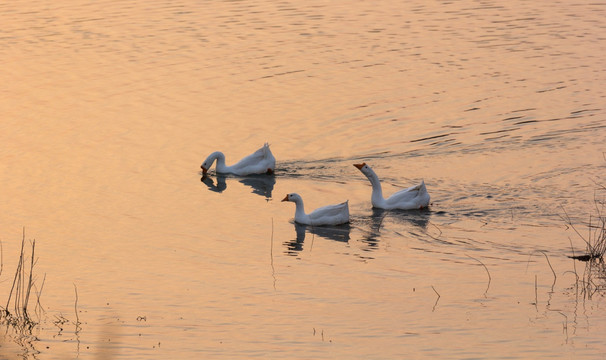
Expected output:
(476, 213)
(577, 112)
(498, 131)
(363, 106)
(551, 89)
(429, 138)
(512, 118)
(455, 248)
(372, 223)
(526, 122)
(556, 137)
(497, 137)
(470, 236)
(275, 74)
(446, 142)
(523, 110)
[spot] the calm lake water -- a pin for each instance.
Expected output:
(109, 108)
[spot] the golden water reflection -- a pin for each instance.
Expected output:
(109, 108)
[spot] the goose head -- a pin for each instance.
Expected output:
(365, 169)
(206, 165)
(292, 197)
(209, 162)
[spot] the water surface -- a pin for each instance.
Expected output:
(110, 107)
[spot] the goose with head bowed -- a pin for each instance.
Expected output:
(415, 197)
(261, 161)
(327, 215)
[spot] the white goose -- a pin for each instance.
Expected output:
(327, 215)
(415, 197)
(261, 161)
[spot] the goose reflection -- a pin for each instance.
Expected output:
(372, 228)
(221, 185)
(336, 233)
(262, 185)
(418, 218)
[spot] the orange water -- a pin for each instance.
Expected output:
(109, 108)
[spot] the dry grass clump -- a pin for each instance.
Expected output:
(17, 313)
(593, 279)
(595, 240)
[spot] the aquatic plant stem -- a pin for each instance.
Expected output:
(487, 272)
(573, 262)
(10, 294)
(76, 305)
(29, 284)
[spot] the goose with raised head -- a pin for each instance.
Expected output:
(415, 197)
(326, 215)
(261, 161)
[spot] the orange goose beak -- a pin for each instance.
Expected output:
(285, 198)
(359, 166)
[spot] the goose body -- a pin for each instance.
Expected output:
(415, 197)
(327, 215)
(261, 161)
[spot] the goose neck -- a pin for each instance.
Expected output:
(376, 184)
(376, 198)
(299, 207)
(221, 167)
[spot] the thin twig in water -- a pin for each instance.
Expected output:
(487, 272)
(573, 256)
(29, 284)
(39, 309)
(76, 307)
(569, 222)
(1, 257)
(10, 294)
(434, 237)
(536, 292)
(271, 248)
(565, 325)
(436, 226)
(438, 299)
(271, 254)
(551, 267)
(590, 248)
(78, 328)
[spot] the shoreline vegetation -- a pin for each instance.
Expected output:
(595, 241)
(593, 278)
(22, 311)
(24, 293)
